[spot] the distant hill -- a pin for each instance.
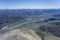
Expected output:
(9, 16)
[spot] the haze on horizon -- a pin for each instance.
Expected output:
(29, 4)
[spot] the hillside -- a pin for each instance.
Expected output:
(52, 27)
(20, 34)
(49, 36)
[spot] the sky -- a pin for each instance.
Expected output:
(29, 4)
